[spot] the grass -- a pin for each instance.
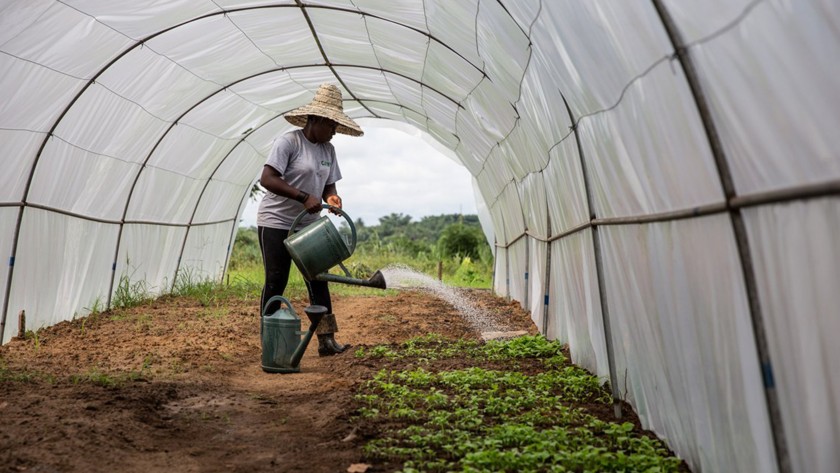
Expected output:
(99, 378)
(245, 277)
(462, 273)
(9, 375)
(455, 271)
(253, 278)
(484, 419)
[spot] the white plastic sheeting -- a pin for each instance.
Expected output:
(63, 262)
(766, 113)
(574, 306)
(131, 133)
(635, 171)
(798, 262)
(682, 322)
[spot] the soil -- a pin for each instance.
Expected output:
(177, 386)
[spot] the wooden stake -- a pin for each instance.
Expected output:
(22, 324)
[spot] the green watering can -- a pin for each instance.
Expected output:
(318, 247)
(282, 347)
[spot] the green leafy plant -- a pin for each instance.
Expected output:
(489, 420)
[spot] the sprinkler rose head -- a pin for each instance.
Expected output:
(377, 280)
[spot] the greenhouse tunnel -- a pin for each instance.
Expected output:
(661, 176)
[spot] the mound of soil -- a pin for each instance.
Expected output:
(177, 386)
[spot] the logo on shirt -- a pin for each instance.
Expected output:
(325, 163)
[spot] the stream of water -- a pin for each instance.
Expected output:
(403, 277)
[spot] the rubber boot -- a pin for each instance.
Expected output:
(327, 345)
(341, 348)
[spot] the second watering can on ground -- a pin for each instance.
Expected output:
(282, 347)
(319, 246)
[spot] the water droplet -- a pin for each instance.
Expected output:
(402, 277)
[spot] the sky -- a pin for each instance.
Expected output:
(391, 170)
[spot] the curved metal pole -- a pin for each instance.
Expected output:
(547, 288)
(507, 273)
(10, 273)
(527, 297)
(172, 126)
(495, 252)
(207, 183)
(204, 189)
(599, 267)
(232, 239)
(739, 229)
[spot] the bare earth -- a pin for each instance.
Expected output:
(177, 386)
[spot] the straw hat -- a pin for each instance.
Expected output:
(327, 103)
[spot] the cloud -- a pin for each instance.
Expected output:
(390, 171)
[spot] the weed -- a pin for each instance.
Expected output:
(95, 308)
(36, 339)
(130, 294)
(99, 378)
(143, 322)
(15, 376)
(177, 366)
(189, 284)
(214, 313)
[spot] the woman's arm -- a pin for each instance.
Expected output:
(273, 181)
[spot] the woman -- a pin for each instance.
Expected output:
(301, 171)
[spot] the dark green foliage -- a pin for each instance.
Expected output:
(256, 192)
(246, 249)
(398, 241)
(398, 233)
(476, 419)
(460, 240)
(393, 224)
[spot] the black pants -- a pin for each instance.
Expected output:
(277, 262)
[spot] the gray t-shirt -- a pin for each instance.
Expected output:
(305, 165)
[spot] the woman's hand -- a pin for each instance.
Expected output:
(312, 204)
(335, 201)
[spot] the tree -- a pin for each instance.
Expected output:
(391, 224)
(256, 191)
(458, 239)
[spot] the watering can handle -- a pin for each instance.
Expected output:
(281, 299)
(336, 210)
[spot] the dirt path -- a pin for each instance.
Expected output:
(176, 386)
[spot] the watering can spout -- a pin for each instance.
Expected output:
(377, 280)
(315, 314)
(319, 247)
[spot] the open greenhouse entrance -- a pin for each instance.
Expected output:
(393, 169)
